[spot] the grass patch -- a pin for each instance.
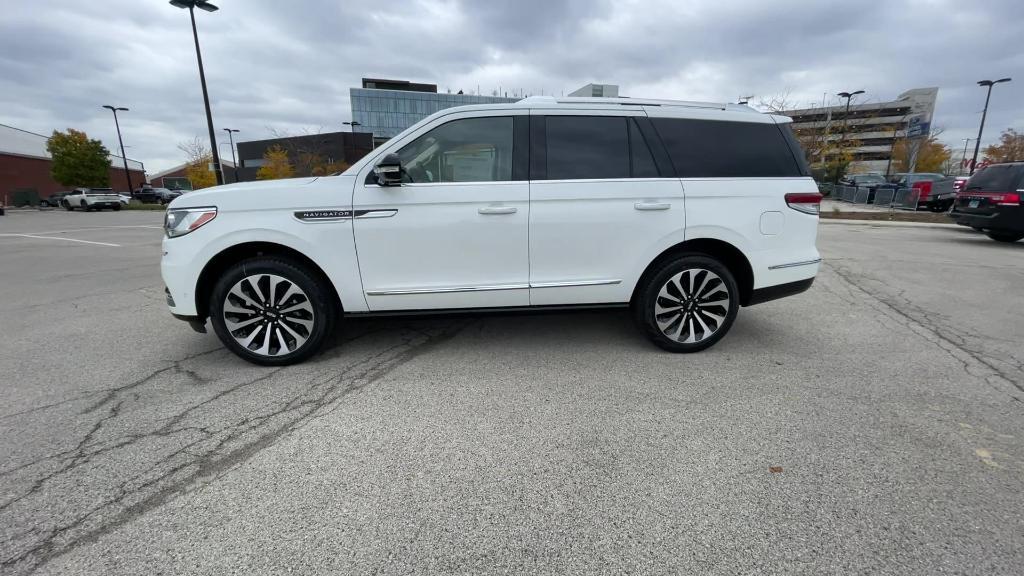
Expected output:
(141, 206)
(895, 216)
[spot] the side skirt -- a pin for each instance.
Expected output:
(488, 311)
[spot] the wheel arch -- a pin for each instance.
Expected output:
(238, 252)
(729, 255)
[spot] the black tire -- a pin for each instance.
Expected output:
(44, 204)
(68, 206)
(1004, 236)
(117, 207)
(84, 206)
(323, 310)
(690, 325)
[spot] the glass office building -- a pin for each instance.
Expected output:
(386, 112)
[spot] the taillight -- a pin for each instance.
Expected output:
(806, 202)
(925, 189)
(1008, 199)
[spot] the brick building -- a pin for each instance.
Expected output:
(25, 168)
(177, 179)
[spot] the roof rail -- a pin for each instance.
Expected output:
(625, 101)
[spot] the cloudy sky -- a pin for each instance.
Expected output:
(287, 65)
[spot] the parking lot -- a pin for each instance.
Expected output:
(872, 425)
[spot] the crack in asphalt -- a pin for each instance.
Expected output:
(938, 330)
(55, 512)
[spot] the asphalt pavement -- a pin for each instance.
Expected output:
(871, 425)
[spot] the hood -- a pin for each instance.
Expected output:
(259, 195)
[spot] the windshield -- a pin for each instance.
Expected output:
(998, 178)
(98, 191)
(868, 179)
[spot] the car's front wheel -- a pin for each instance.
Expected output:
(272, 311)
(689, 304)
(67, 205)
(1005, 236)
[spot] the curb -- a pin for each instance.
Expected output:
(886, 223)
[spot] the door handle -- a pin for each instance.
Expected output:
(498, 210)
(652, 205)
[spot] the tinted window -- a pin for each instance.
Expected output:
(466, 150)
(722, 149)
(641, 158)
(587, 147)
(997, 178)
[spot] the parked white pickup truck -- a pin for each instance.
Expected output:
(92, 199)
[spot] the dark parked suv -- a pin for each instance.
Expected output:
(155, 195)
(991, 201)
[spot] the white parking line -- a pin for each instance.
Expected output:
(59, 238)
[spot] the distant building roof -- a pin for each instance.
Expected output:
(18, 142)
(180, 167)
(383, 84)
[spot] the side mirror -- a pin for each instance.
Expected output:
(389, 171)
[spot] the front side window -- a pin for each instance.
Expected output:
(464, 150)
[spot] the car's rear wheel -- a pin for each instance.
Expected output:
(272, 311)
(1005, 236)
(689, 304)
(116, 207)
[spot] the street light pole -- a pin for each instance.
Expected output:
(231, 139)
(353, 124)
(127, 174)
(984, 112)
(203, 5)
(846, 119)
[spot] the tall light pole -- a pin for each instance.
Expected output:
(203, 5)
(127, 174)
(963, 159)
(846, 119)
(231, 139)
(984, 112)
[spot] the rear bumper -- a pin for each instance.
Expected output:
(1009, 218)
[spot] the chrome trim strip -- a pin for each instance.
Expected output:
(446, 290)
(375, 213)
(575, 283)
(793, 264)
(487, 288)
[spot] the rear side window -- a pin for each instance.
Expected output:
(582, 147)
(723, 149)
(997, 178)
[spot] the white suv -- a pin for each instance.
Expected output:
(683, 210)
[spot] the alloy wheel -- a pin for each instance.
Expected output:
(692, 305)
(268, 314)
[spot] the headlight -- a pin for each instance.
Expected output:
(181, 221)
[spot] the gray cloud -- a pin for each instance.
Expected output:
(287, 66)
